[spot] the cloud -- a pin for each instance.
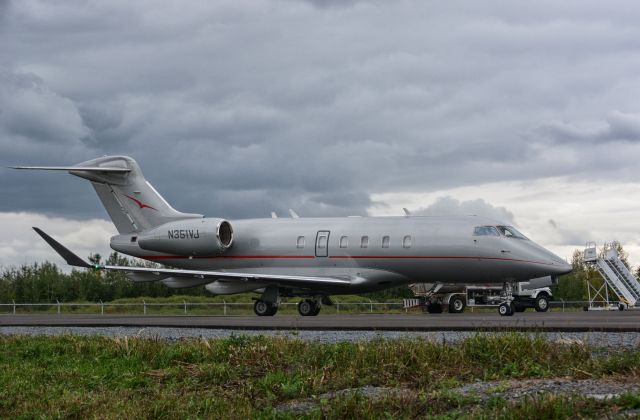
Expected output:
(561, 236)
(31, 112)
(21, 245)
(448, 206)
(240, 108)
(617, 126)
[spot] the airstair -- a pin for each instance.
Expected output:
(616, 275)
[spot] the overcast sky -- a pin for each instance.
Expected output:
(525, 111)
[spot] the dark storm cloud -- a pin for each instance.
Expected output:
(241, 108)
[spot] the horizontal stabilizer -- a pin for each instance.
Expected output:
(75, 168)
(69, 257)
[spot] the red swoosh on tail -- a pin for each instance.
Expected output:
(140, 203)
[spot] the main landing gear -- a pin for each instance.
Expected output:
(309, 307)
(262, 308)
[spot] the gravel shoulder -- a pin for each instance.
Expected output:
(594, 339)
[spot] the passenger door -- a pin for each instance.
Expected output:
(322, 243)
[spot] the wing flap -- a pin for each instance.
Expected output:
(273, 278)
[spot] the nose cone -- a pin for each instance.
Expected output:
(556, 264)
(563, 268)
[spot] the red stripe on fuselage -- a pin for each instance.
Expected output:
(435, 257)
(182, 257)
(381, 257)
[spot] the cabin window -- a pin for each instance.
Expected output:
(385, 241)
(364, 242)
(485, 231)
(134, 238)
(344, 242)
(300, 242)
(511, 232)
(322, 242)
(406, 241)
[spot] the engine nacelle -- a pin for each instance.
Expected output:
(189, 237)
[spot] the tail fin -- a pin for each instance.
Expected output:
(132, 203)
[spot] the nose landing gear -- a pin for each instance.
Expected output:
(507, 307)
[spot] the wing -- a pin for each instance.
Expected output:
(161, 273)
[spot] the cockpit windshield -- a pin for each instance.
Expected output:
(485, 231)
(510, 232)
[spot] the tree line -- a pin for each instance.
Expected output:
(46, 283)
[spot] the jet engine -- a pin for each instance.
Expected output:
(190, 237)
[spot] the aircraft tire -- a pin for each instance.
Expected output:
(542, 303)
(307, 307)
(505, 309)
(456, 305)
(317, 310)
(262, 308)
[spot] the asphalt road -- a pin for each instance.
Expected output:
(614, 321)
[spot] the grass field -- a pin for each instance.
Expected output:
(80, 377)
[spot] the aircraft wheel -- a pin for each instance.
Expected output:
(273, 310)
(505, 309)
(307, 307)
(317, 310)
(542, 303)
(262, 308)
(456, 305)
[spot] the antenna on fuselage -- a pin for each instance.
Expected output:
(293, 214)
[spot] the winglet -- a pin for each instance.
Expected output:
(69, 257)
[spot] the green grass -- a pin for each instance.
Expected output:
(79, 377)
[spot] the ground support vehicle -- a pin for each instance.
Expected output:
(435, 297)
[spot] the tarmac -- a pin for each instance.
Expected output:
(606, 321)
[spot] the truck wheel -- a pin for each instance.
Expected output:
(434, 308)
(456, 305)
(542, 303)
